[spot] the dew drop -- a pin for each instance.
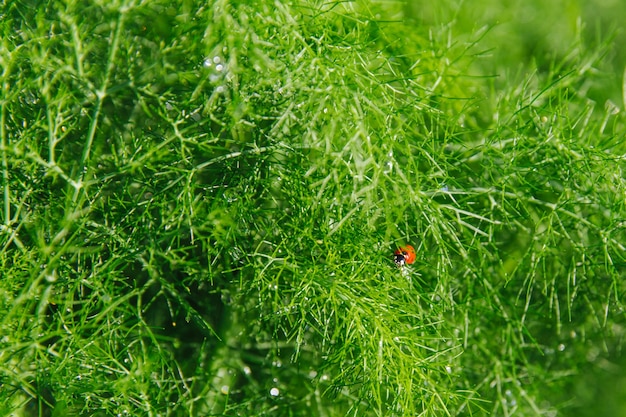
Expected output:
(196, 116)
(51, 277)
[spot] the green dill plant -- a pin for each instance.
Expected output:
(201, 201)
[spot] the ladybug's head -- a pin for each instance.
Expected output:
(400, 258)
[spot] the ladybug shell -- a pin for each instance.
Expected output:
(404, 254)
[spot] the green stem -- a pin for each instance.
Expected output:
(5, 167)
(100, 94)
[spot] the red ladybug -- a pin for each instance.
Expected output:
(404, 255)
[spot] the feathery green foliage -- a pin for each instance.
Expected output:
(201, 200)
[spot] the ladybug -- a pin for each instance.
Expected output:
(404, 255)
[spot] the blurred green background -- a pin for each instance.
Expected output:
(536, 35)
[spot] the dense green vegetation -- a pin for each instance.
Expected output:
(200, 201)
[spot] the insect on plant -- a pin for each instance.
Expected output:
(404, 255)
